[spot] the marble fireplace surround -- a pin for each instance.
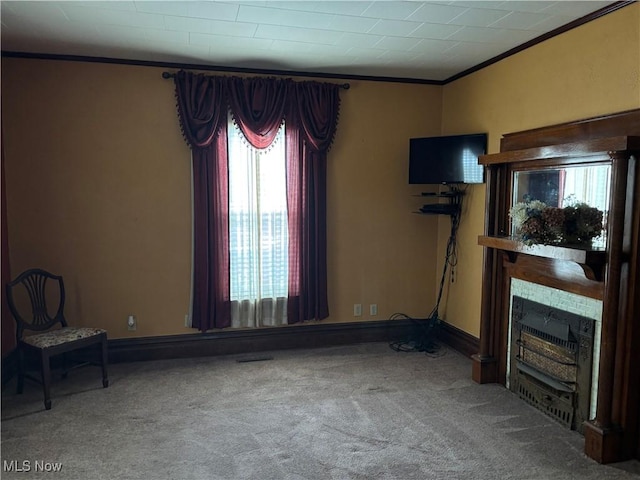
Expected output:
(607, 275)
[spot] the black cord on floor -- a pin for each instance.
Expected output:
(422, 338)
(424, 332)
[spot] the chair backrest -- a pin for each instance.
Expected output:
(34, 283)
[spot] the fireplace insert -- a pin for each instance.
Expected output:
(551, 360)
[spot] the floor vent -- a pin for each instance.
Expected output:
(253, 359)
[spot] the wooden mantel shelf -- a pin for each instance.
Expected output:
(590, 259)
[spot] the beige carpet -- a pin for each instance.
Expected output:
(350, 412)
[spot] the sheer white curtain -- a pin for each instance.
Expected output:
(258, 231)
(592, 185)
(588, 184)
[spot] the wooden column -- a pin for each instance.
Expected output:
(602, 435)
(485, 362)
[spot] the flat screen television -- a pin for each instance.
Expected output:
(450, 159)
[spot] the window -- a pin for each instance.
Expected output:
(258, 230)
(311, 109)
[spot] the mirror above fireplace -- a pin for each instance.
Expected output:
(564, 186)
(561, 186)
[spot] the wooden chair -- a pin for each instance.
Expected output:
(49, 338)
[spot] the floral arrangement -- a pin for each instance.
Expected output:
(536, 222)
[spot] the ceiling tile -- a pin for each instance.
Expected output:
(358, 40)
(355, 60)
(483, 4)
(328, 50)
(507, 36)
(365, 52)
(309, 35)
(394, 56)
(163, 8)
(91, 34)
(435, 13)
(476, 17)
(574, 8)
(526, 6)
(220, 52)
(353, 8)
(213, 10)
(229, 42)
(398, 28)
(166, 36)
(113, 5)
(520, 20)
(302, 6)
(111, 17)
(466, 50)
(435, 31)
(433, 46)
(233, 29)
(397, 10)
(352, 24)
(475, 34)
(105, 32)
(277, 16)
(185, 24)
(550, 23)
(289, 46)
(34, 12)
(493, 35)
(397, 43)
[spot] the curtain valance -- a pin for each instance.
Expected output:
(316, 108)
(201, 102)
(258, 105)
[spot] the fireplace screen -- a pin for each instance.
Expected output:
(551, 360)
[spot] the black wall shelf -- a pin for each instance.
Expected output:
(451, 208)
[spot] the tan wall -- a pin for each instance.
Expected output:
(379, 252)
(98, 190)
(591, 70)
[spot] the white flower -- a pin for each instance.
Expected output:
(521, 211)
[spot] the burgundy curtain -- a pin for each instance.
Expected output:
(311, 125)
(258, 106)
(202, 109)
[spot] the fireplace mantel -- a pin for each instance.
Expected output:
(610, 274)
(591, 260)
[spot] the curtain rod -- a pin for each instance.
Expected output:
(167, 75)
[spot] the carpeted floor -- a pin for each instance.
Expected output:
(352, 412)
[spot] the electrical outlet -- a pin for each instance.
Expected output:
(132, 322)
(357, 309)
(373, 309)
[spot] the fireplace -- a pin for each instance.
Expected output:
(548, 366)
(551, 360)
